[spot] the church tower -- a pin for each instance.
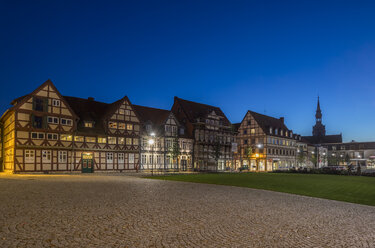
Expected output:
(319, 129)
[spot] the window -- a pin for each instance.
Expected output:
(29, 156)
(150, 159)
(135, 142)
(40, 104)
(144, 159)
(55, 102)
(90, 139)
(46, 156)
(52, 136)
(112, 125)
(88, 124)
(131, 158)
(168, 143)
(63, 156)
(37, 121)
(109, 157)
(281, 132)
(129, 126)
(270, 130)
(252, 131)
(128, 141)
(53, 120)
(78, 138)
(67, 122)
(121, 140)
(121, 125)
(66, 137)
(102, 140)
(249, 123)
(276, 131)
(37, 135)
(342, 147)
(112, 140)
(182, 131)
(244, 131)
(245, 141)
(127, 112)
(334, 148)
(121, 158)
(174, 130)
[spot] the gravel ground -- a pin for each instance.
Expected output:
(122, 211)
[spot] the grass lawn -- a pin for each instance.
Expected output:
(342, 188)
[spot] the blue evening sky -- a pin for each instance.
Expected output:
(271, 57)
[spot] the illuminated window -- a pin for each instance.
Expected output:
(46, 156)
(135, 142)
(112, 125)
(88, 124)
(102, 140)
(121, 125)
(252, 131)
(29, 156)
(90, 139)
(131, 158)
(128, 141)
(129, 126)
(63, 156)
(55, 102)
(78, 138)
(111, 140)
(66, 137)
(121, 140)
(121, 111)
(127, 112)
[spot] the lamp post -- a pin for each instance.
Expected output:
(151, 143)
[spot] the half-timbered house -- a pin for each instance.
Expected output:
(212, 132)
(45, 131)
(265, 143)
(165, 144)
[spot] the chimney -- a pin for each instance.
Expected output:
(282, 119)
(90, 98)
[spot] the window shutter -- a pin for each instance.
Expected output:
(45, 122)
(32, 121)
(45, 108)
(33, 103)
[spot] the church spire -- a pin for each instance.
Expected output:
(319, 129)
(318, 114)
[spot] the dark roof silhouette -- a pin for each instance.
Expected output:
(194, 110)
(265, 122)
(327, 139)
(154, 115)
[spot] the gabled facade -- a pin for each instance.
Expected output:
(171, 148)
(265, 143)
(45, 131)
(212, 132)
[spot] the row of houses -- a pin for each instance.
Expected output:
(45, 131)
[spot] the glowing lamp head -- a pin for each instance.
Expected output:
(153, 134)
(151, 141)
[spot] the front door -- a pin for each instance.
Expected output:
(87, 163)
(184, 164)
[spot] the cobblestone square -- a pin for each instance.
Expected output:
(122, 211)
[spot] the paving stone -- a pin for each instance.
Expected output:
(122, 211)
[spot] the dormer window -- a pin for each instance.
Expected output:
(40, 104)
(112, 125)
(281, 132)
(88, 124)
(276, 131)
(270, 130)
(286, 133)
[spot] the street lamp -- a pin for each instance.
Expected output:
(151, 143)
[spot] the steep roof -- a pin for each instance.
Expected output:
(89, 110)
(265, 121)
(156, 116)
(236, 126)
(327, 139)
(194, 110)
